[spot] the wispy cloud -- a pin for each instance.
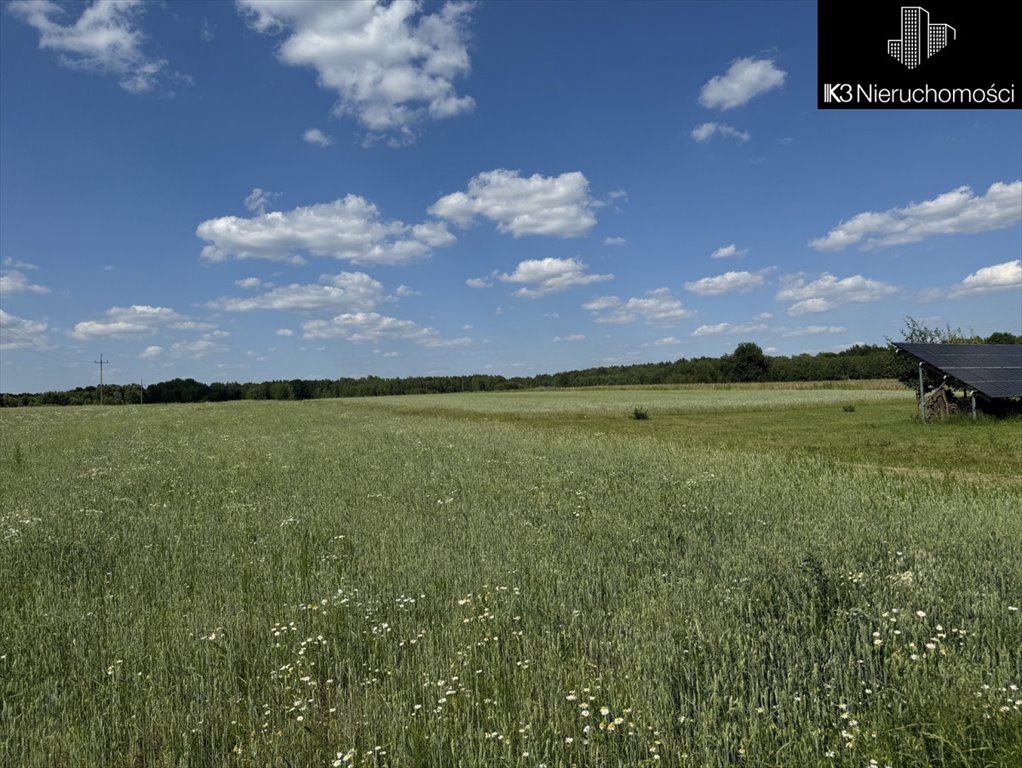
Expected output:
(353, 291)
(813, 330)
(728, 329)
(15, 264)
(317, 137)
(372, 327)
(197, 348)
(251, 283)
(106, 37)
(19, 333)
(707, 131)
(828, 292)
(258, 200)
(657, 307)
(207, 31)
(727, 251)
(16, 282)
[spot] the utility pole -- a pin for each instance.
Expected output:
(101, 362)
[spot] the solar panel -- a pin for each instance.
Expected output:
(994, 370)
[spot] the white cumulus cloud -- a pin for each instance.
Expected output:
(744, 79)
(706, 131)
(959, 211)
(538, 205)
(570, 337)
(542, 276)
(391, 65)
(105, 38)
(151, 352)
(349, 229)
(729, 282)
(130, 322)
(478, 282)
(1006, 276)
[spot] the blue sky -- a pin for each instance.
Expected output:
(260, 190)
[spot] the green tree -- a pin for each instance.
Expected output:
(916, 332)
(1002, 337)
(746, 363)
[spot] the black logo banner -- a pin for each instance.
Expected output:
(935, 55)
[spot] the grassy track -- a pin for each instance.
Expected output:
(751, 577)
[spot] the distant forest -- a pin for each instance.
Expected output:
(747, 363)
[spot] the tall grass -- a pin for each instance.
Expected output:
(351, 583)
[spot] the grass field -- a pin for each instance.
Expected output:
(750, 577)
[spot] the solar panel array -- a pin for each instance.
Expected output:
(994, 370)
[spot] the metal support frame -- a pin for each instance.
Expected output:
(922, 395)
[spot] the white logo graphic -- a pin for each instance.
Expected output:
(919, 38)
(839, 93)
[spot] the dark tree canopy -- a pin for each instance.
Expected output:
(1002, 337)
(746, 363)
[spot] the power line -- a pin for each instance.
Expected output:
(52, 355)
(101, 362)
(30, 344)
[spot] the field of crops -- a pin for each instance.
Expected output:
(754, 577)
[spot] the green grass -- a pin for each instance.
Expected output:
(881, 432)
(468, 580)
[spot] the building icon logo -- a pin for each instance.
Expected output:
(919, 38)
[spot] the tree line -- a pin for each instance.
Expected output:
(747, 363)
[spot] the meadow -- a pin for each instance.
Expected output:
(752, 576)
